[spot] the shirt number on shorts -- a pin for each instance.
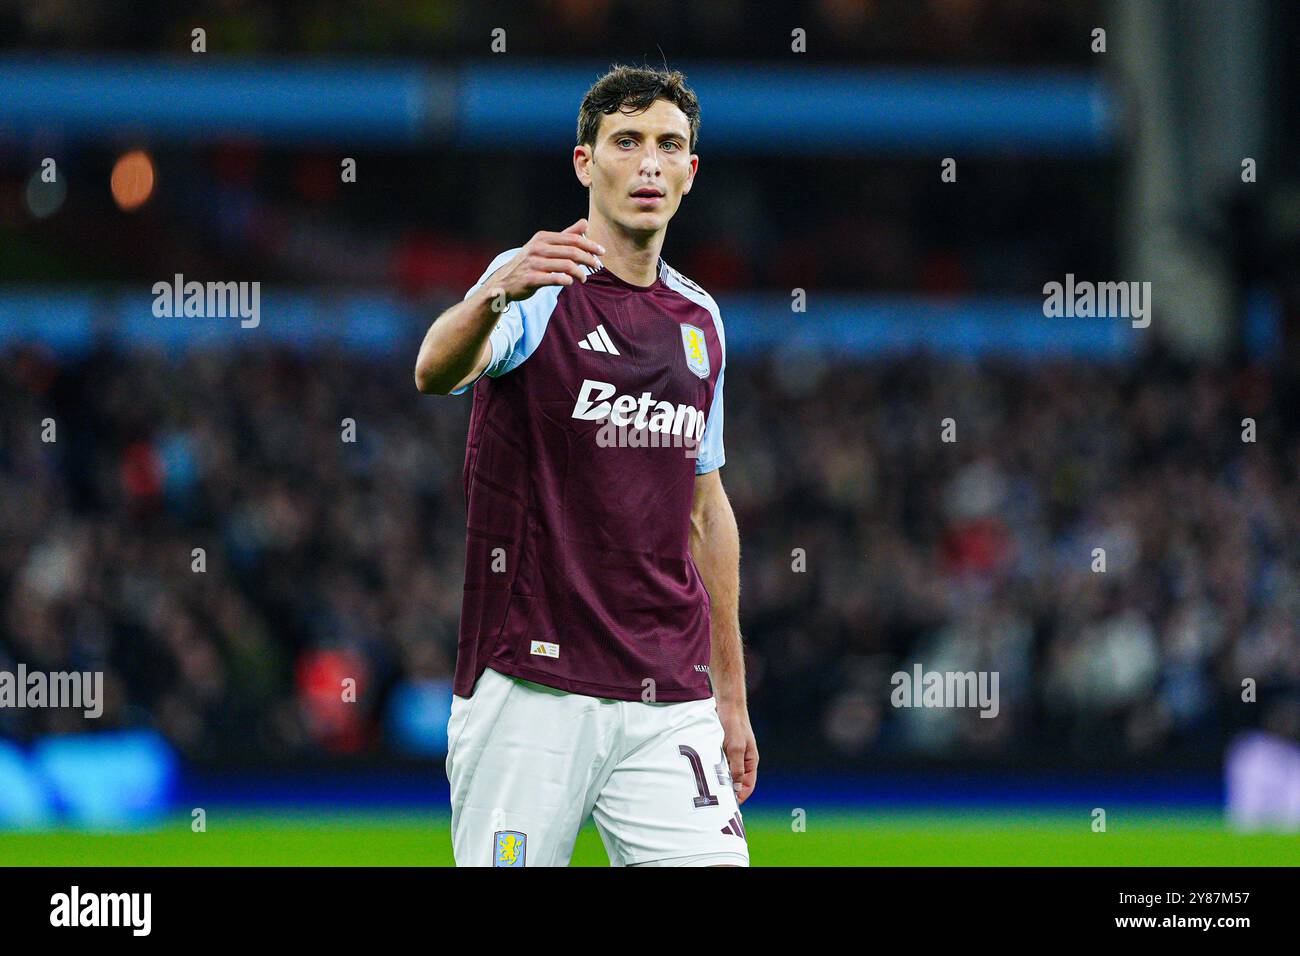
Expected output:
(703, 797)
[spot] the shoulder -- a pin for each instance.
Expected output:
(497, 262)
(502, 258)
(687, 287)
(693, 291)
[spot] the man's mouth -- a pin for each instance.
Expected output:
(647, 195)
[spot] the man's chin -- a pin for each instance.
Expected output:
(644, 224)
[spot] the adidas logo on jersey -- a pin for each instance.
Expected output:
(598, 341)
(663, 418)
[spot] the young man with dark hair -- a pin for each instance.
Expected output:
(600, 670)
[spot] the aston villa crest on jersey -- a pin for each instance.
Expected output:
(697, 353)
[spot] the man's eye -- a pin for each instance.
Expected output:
(625, 139)
(672, 144)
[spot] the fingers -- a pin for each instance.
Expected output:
(559, 265)
(568, 239)
(736, 764)
(553, 258)
(745, 784)
(573, 236)
(744, 770)
(576, 253)
(538, 279)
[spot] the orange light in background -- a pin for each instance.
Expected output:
(132, 181)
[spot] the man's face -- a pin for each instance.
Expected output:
(640, 167)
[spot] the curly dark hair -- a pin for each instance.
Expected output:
(636, 88)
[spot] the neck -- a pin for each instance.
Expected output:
(632, 256)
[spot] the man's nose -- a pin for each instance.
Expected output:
(650, 161)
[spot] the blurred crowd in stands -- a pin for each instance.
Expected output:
(960, 31)
(870, 544)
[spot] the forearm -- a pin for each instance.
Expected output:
(715, 547)
(457, 343)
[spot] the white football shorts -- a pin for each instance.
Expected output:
(529, 764)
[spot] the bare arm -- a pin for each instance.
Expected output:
(455, 350)
(715, 547)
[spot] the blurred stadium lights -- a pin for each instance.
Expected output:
(45, 198)
(753, 110)
(99, 781)
(132, 180)
(765, 109)
(104, 96)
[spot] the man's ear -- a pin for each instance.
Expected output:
(582, 158)
(690, 180)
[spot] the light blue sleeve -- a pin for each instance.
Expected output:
(519, 330)
(712, 456)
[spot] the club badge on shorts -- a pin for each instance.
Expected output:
(509, 848)
(697, 352)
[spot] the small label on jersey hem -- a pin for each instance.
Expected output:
(544, 649)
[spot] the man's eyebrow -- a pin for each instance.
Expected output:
(627, 131)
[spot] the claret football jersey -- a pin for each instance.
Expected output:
(601, 403)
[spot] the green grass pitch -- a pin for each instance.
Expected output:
(831, 838)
